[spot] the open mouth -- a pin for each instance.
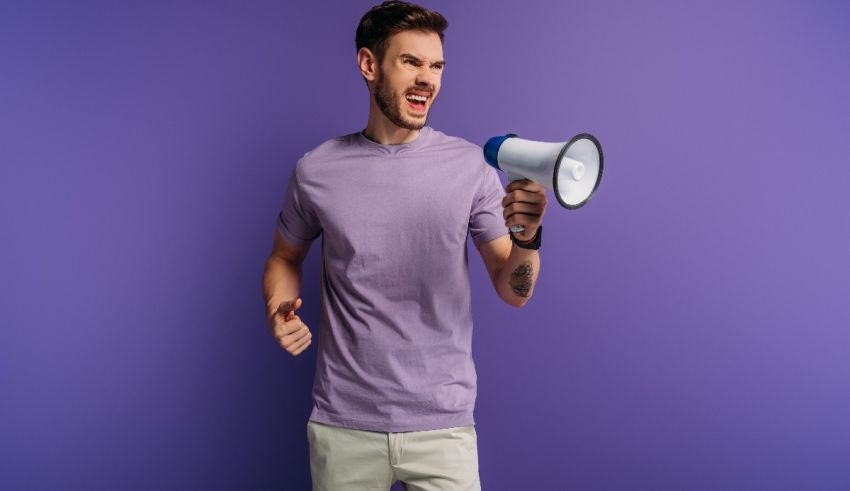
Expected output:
(417, 101)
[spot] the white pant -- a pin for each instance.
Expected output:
(344, 459)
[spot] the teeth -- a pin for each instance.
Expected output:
(415, 97)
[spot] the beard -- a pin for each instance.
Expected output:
(390, 104)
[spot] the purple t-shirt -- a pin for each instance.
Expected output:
(395, 332)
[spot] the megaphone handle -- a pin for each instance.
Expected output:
(514, 177)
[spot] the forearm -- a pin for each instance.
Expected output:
(281, 282)
(518, 275)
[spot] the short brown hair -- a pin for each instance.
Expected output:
(391, 17)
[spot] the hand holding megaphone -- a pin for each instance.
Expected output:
(571, 169)
(524, 206)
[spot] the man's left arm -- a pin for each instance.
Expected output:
(513, 269)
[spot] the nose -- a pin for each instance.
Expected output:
(426, 78)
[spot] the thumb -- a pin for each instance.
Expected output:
(287, 309)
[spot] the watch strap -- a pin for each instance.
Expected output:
(535, 242)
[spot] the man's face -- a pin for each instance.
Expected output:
(411, 69)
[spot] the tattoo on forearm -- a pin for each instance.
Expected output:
(521, 279)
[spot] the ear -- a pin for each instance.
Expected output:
(368, 64)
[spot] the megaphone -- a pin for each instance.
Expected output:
(571, 169)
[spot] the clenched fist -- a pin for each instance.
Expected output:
(524, 204)
(292, 334)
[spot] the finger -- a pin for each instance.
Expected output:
(296, 336)
(527, 208)
(288, 308)
(291, 344)
(291, 314)
(525, 219)
(524, 184)
(293, 347)
(287, 328)
(524, 197)
(515, 184)
(302, 348)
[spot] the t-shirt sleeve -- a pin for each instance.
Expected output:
(486, 221)
(297, 222)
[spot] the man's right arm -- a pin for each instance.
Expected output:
(282, 276)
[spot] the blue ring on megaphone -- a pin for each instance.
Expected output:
(491, 149)
(580, 136)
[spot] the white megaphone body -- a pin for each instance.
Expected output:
(571, 169)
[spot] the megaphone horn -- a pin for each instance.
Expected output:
(571, 169)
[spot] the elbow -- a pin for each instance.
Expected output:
(516, 300)
(521, 303)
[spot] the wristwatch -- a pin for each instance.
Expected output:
(535, 242)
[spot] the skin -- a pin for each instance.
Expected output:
(413, 61)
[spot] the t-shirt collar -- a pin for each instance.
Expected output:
(396, 148)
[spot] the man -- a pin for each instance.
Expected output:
(395, 383)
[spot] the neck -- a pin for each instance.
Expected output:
(381, 130)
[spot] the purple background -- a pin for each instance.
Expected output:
(689, 328)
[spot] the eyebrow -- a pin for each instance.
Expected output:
(408, 55)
